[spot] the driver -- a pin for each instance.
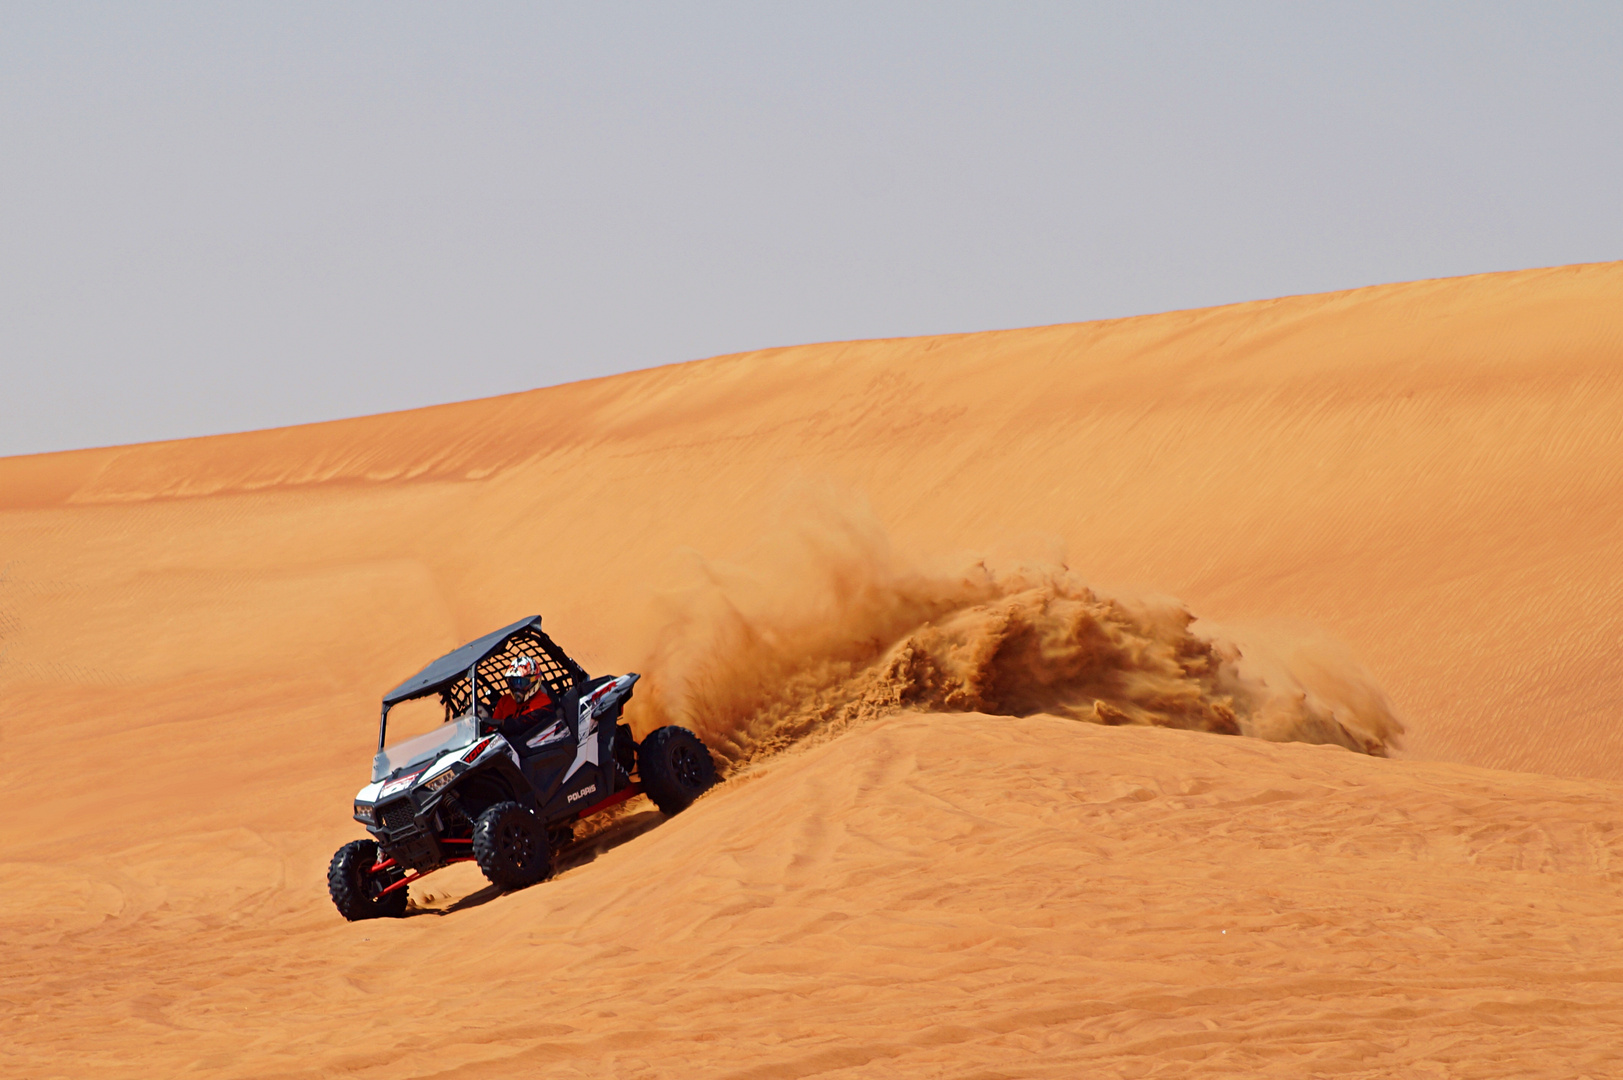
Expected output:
(525, 695)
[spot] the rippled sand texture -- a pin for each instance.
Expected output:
(194, 635)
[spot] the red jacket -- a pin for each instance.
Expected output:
(507, 706)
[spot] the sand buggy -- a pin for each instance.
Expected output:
(529, 745)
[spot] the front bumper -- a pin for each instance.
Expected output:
(404, 837)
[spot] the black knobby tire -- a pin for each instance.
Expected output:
(560, 837)
(675, 767)
(511, 847)
(357, 891)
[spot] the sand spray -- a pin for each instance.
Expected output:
(822, 624)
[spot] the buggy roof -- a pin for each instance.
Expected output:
(455, 664)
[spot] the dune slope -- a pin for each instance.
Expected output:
(949, 895)
(1423, 482)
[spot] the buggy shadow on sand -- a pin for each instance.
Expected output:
(582, 852)
(504, 778)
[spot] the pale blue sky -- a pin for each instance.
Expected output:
(219, 217)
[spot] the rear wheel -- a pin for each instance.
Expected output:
(511, 847)
(357, 890)
(676, 768)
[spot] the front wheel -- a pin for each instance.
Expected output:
(357, 890)
(676, 768)
(511, 847)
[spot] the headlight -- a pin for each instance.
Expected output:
(365, 812)
(440, 781)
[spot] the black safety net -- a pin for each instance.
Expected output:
(557, 672)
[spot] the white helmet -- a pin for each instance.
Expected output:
(522, 676)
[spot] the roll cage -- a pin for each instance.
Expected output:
(474, 673)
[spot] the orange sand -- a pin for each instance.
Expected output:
(193, 637)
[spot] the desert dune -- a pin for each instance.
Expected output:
(1040, 661)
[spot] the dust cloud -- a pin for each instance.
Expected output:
(824, 625)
